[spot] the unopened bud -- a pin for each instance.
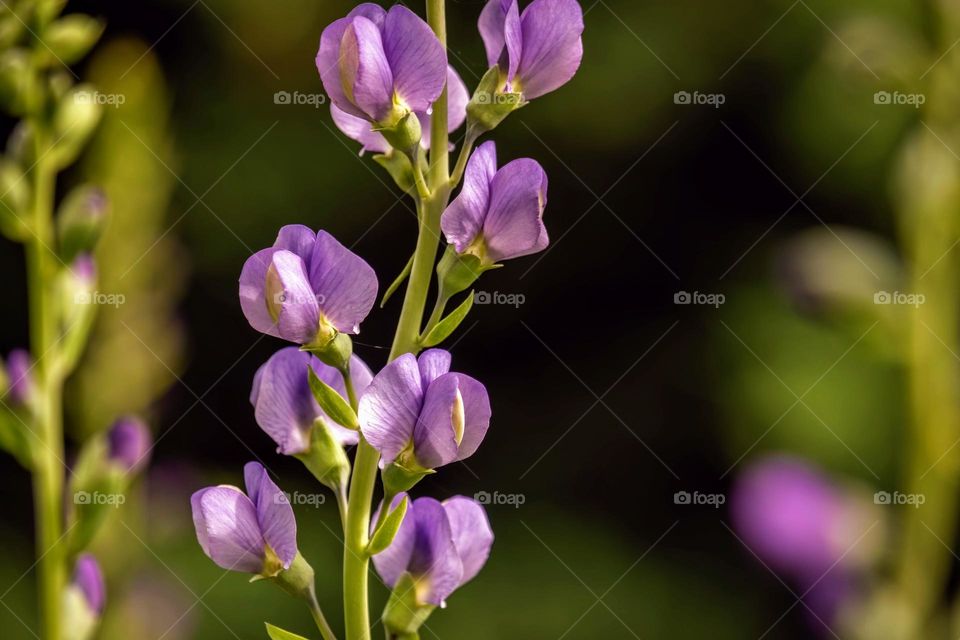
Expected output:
(81, 221)
(70, 38)
(74, 121)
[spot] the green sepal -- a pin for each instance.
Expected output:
(490, 104)
(457, 272)
(70, 38)
(403, 136)
(387, 531)
(75, 118)
(335, 352)
(325, 458)
(298, 580)
(398, 166)
(396, 283)
(402, 474)
(81, 219)
(332, 403)
(276, 633)
(404, 615)
(14, 201)
(448, 325)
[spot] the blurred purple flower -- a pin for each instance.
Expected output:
(88, 578)
(378, 65)
(443, 545)
(360, 129)
(537, 51)
(254, 532)
(284, 404)
(498, 214)
(306, 287)
(20, 377)
(418, 402)
(129, 442)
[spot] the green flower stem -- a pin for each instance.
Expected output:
(438, 308)
(468, 141)
(47, 471)
(365, 466)
(321, 621)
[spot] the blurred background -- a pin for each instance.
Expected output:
(722, 212)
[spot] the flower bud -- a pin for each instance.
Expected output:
(74, 121)
(14, 200)
(21, 386)
(70, 38)
(129, 444)
(16, 77)
(84, 599)
(81, 221)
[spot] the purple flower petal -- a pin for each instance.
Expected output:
(476, 411)
(433, 363)
(552, 46)
(472, 534)
(227, 528)
(388, 410)
(417, 59)
(513, 226)
(434, 437)
(253, 301)
(513, 36)
(129, 443)
(491, 26)
(289, 293)
(365, 73)
(457, 99)
(434, 560)
(328, 64)
(20, 377)
(284, 406)
(463, 219)
(297, 239)
(88, 577)
(360, 130)
(393, 561)
(274, 513)
(345, 285)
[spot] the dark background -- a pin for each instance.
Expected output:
(608, 398)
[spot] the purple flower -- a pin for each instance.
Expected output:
(498, 214)
(306, 287)
(88, 578)
(360, 129)
(538, 51)
(284, 404)
(129, 443)
(442, 545)
(20, 378)
(380, 65)
(417, 408)
(253, 532)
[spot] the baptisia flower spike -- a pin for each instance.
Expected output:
(284, 405)
(420, 416)
(307, 288)
(362, 131)
(439, 545)
(537, 51)
(383, 66)
(254, 532)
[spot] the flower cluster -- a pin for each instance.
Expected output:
(392, 90)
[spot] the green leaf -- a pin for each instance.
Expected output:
(276, 633)
(396, 283)
(449, 324)
(332, 402)
(388, 530)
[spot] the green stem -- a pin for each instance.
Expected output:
(325, 630)
(355, 560)
(48, 474)
(468, 141)
(438, 308)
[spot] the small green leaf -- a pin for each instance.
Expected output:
(332, 402)
(388, 530)
(396, 283)
(449, 324)
(276, 633)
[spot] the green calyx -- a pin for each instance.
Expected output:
(405, 613)
(490, 103)
(403, 133)
(333, 349)
(403, 473)
(326, 458)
